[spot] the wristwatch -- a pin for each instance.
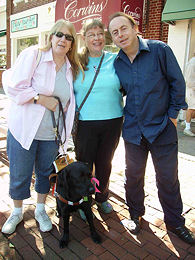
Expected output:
(36, 98)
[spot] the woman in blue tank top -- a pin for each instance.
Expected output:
(101, 116)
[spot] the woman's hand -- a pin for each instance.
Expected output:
(48, 102)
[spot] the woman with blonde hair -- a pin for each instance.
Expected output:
(31, 84)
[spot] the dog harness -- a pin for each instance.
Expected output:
(85, 198)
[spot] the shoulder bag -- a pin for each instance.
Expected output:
(77, 112)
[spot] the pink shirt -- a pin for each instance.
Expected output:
(24, 81)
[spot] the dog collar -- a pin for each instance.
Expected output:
(70, 202)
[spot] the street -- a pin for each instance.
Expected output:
(154, 242)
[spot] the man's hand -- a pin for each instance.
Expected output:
(174, 120)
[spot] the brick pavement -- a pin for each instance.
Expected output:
(152, 243)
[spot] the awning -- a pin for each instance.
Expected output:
(178, 10)
(2, 33)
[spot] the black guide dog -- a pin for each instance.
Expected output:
(73, 191)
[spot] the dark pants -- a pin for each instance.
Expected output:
(164, 155)
(96, 143)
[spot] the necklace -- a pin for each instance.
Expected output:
(94, 62)
(95, 68)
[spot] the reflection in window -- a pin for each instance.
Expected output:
(26, 42)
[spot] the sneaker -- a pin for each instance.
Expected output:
(183, 124)
(184, 233)
(188, 132)
(105, 207)
(44, 221)
(82, 215)
(132, 224)
(10, 225)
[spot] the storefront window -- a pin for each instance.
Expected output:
(2, 60)
(26, 42)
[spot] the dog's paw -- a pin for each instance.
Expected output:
(64, 240)
(96, 238)
(63, 243)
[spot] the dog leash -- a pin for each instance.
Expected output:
(94, 181)
(56, 126)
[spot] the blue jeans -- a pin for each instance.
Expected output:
(39, 158)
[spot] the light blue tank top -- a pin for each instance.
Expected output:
(105, 100)
(61, 90)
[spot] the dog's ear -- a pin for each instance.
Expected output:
(62, 183)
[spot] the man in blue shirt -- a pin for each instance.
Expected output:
(155, 87)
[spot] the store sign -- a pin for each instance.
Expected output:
(25, 23)
(77, 11)
(135, 9)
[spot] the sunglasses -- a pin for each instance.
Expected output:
(68, 37)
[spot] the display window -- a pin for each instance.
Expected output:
(23, 43)
(2, 58)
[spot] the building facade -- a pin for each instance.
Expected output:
(29, 20)
(180, 15)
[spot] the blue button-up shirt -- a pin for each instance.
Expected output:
(155, 90)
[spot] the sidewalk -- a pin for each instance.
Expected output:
(152, 243)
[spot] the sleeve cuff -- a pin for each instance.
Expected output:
(173, 113)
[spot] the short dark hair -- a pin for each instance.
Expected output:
(118, 14)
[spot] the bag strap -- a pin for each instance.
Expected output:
(92, 84)
(56, 126)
